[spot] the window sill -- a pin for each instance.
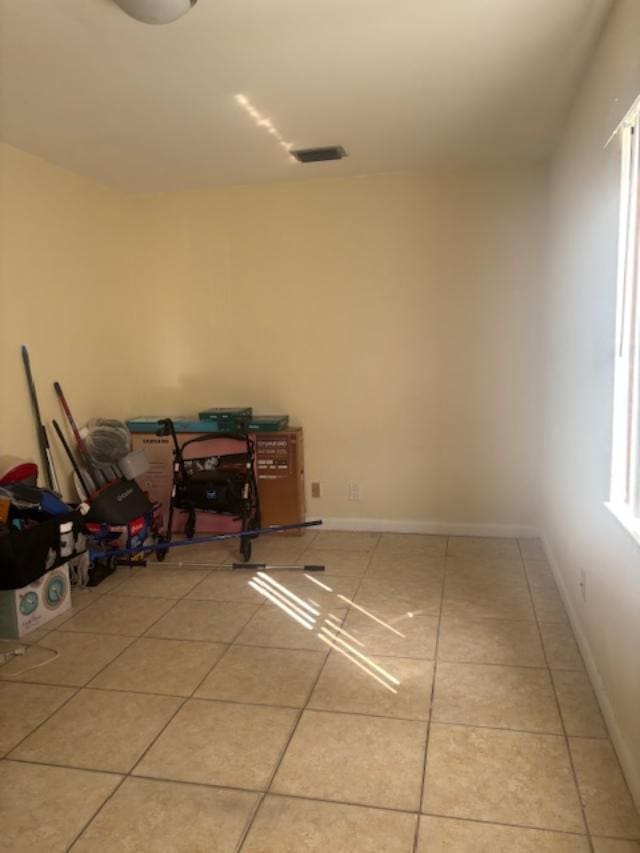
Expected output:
(626, 518)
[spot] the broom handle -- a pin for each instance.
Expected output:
(217, 537)
(43, 439)
(82, 447)
(71, 458)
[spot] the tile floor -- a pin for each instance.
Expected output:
(424, 693)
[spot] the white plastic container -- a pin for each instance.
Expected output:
(134, 464)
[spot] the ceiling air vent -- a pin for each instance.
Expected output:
(316, 155)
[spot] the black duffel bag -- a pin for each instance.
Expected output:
(119, 503)
(25, 555)
(211, 491)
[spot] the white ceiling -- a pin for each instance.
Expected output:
(401, 84)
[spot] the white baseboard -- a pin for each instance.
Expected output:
(629, 767)
(444, 528)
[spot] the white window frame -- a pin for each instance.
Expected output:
(625, 467)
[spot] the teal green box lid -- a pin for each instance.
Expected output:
(222, 415)
(186, 423)
(268, 423)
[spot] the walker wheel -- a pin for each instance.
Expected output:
(161, 553)
(245, 548)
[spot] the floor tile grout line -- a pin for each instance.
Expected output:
(190, 696)
(262, 604)
(249, 822)
(73, 695)
(258, 792)
(224, 701)
(155, 694)
(560, 715)
(246, 645)
(256, 607)
(161, 571)
(228, 642)
(152, 742)
(567, 623)
(628, 838)
(129, 773)
(225, 652)
(540, 732)
(375, 655)
(247, 828)
(465, 616)
(378, 655)
(506, 665)
(46, 720)
(299, 718)
(607, 737)
(263, 794)
(181, 704)
(9, 680)
(283, 752)
(124, 597)
(176, 601)
(76, 691)
(533, 828)
(33, 762)
(86, 825)
(431, 705)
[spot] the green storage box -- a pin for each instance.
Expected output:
(149, 424)
(225, 416)
(268, 423)
(231, 420)
(227, 420)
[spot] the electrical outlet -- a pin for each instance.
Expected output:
(315, 490)
(582, 583)
(354, 491)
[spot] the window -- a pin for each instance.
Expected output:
(625, 479)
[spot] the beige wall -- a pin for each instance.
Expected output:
(579, 352)
(62, 241)
(389, 315)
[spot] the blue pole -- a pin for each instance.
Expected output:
(200, 540)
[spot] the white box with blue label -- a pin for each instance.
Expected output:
(23, 610)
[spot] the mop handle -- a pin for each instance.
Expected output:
(82, 447)
(71, 458)
(201, 540)
(43, 439)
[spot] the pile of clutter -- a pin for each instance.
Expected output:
(43, 546)
(48, 544)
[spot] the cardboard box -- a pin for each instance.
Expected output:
(24, 610)
(280, 465)
(158, 480)
(279, 471)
